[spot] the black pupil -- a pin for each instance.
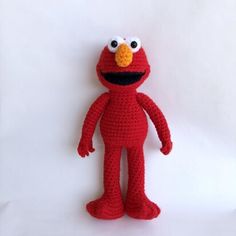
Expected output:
(114, 43)
(133, 44)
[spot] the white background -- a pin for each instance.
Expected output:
(49, 50)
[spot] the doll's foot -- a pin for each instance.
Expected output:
(107, 209)
(142, 209)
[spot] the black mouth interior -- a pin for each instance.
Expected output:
(122, 78)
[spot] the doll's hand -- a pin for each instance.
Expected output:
(84, 148)
(166, 148)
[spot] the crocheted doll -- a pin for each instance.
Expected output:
(122, 68)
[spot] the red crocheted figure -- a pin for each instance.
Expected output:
(122, 68)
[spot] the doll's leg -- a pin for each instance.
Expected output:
(110, 205)
(137, 204)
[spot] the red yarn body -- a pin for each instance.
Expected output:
(123, 124)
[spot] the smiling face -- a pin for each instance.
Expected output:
(123, 64)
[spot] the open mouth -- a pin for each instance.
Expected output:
(122, 78)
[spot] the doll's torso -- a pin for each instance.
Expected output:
(124, 122)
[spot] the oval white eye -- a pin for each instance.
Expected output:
(134, 43)
(114, 43)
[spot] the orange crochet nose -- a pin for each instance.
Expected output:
(123, 56)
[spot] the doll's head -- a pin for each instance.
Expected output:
(123, 64)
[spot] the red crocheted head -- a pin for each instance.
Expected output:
(123, 64)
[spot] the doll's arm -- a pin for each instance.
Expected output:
(159, 121)
(95, 111)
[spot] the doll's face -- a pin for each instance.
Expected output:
(123, 64)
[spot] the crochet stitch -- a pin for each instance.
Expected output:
(122, 68)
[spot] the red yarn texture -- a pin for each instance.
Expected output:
(123, 125)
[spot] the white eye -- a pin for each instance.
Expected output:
(134, 43)
(114, 43)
